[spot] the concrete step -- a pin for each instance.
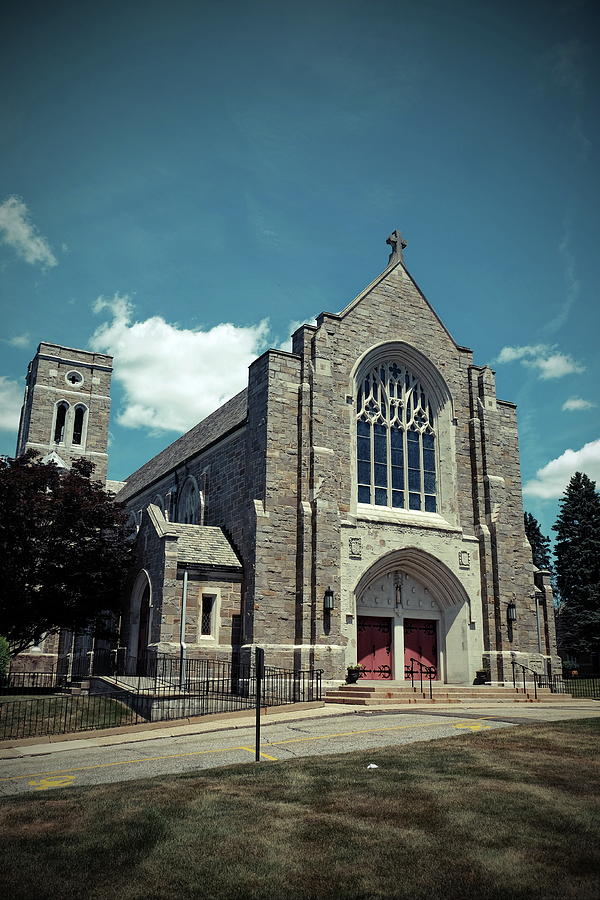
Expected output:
(388, 695)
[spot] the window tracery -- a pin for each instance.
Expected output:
(396, 451)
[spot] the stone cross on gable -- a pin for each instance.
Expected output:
(397, 243)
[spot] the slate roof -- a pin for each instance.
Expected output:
(204, 545)
(209, 430)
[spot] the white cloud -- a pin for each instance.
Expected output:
(11, 396)
(173, 377)
(19, 340)
(572, 283)
(546, 359)
(510, 354)
(18, 232)
(555, 366)
(576, 403)
(292, 327)
(552, 479)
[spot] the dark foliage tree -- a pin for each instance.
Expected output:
(577, 554)
(64, 549)
(540, 544)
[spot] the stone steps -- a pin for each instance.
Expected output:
(388, 695)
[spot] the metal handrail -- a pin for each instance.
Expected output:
(525, 669)
(429, 670)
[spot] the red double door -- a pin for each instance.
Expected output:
(375, 645)
(420, 643)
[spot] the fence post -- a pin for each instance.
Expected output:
(259, 664)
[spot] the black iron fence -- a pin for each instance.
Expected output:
(578, 686)
(583, 686)
(63, 713)
(28, 682)
(126, 691)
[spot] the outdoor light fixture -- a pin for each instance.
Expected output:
(328, 600)
(511, 612)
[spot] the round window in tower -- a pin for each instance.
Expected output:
(74, 378)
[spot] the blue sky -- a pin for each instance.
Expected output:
(180, 182)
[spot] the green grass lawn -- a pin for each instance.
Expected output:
(57, 714)
(512, 813)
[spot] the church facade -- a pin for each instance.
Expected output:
(359, 501)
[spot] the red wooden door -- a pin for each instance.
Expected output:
(420, 642)
(375, 646)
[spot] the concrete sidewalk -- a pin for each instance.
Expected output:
(50, 744)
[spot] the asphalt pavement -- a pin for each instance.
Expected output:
(286, 735)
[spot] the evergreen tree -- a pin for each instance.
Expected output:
(540, 544)
(577, 554)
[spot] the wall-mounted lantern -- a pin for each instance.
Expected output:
(511, 612)
(328, 600)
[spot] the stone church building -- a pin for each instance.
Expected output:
(360, 500)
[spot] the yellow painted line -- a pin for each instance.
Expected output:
(471, 727)
(44, 784)
(324, 737)
(253, 752)
(149, 759)
(125, 762)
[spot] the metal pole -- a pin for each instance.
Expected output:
(259, 663)
(182, 631)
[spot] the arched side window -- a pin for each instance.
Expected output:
(79, 425)
(157, 500)
(188, 507)
(396, 439)
(60, 422)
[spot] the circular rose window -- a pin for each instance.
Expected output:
(74, 378)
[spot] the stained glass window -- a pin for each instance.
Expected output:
(395, 437)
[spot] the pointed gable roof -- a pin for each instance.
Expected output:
(391, 267)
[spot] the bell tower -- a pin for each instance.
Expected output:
(66, 407)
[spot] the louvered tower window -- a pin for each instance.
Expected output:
(78, 423)
(60, 422)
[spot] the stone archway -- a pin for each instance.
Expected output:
(140, 620)
(409, 605)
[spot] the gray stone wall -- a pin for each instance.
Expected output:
(47, 385)
(282, 486)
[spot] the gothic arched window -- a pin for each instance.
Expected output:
(60, 420)
(395, 428)
(188, 508)
(78, 425)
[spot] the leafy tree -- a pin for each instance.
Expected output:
(540, 544)
(4, 657)
(64, 549)
(577, 554)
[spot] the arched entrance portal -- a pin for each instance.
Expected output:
(411, 608)
(139, 622)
